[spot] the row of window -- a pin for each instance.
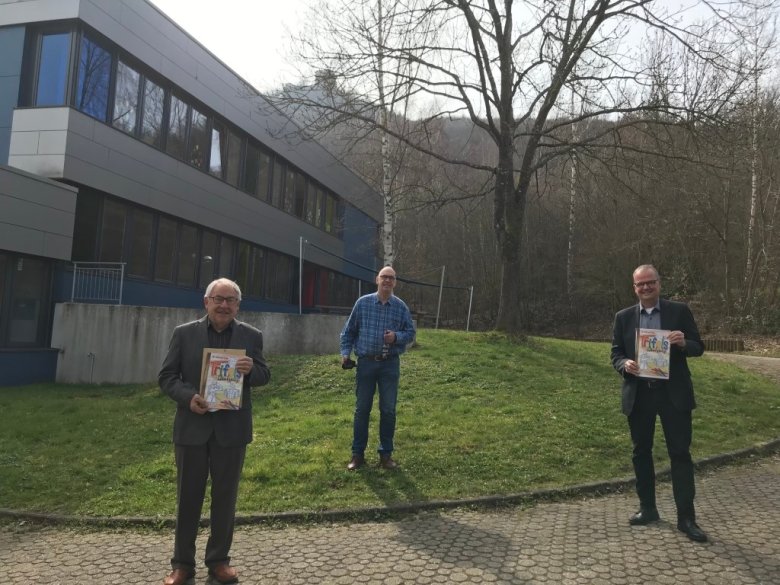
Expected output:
(106, 86)
(160, 248)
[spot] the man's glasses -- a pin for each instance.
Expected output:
(644, 283)
(386, 277)
(229, 300)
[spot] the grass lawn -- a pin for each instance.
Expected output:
(477, 415)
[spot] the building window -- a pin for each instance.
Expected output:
(280, 279)
(251, 169)
(263, 182)
(112, 231)
(243, 265)
(166, 250)
(153, 109)
(93, 79)
(330, 213)
(126, 97)
(234, 158)
(208, 259)
(258, 265)
(176, 140)
(218, 152)
(300, 195)
(226, 248)
(52, 81)
(24, 282)
(199, 139)
(289, 190)
(140, 237)
(188, 255)
(278, 180)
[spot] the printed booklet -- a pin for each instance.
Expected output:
(220, 383)
(652, 353)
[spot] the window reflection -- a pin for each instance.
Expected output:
(218, 150)
(263, 187)
(53, 70)
(199, 139)
(176, 141)
(152, 119)
(93, 79)
(234, 158)
(126, 98)
(251, 168)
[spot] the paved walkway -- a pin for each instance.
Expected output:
(579, 542)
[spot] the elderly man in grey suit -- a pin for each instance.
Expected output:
(209, 443)
(672, 400)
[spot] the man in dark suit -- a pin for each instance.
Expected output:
(209, 443)
(672, 399)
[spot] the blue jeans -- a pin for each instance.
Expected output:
(370, 375)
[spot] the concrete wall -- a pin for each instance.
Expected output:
(125, 344)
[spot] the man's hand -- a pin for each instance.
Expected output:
(244, 365)
(198, 404)
(631, 367)
(677, 338)
(389, 337)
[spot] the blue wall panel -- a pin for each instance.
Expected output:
(11, 49)
(34, 366)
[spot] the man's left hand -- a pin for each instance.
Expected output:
(389, 337)
(244, 365)
(677, 338)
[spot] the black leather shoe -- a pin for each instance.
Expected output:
(356, 462)
(644, 517)
(689, 527)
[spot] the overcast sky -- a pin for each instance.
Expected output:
(248, 35)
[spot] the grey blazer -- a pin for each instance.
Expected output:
(674, 316)
(179, 378)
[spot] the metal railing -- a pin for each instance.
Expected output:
(98, 282)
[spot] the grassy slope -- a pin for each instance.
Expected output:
(477, 415)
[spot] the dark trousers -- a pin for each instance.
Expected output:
(194, 464)
(651, 402)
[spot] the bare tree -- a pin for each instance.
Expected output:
(503, 65)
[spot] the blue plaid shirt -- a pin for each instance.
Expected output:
(370, 318)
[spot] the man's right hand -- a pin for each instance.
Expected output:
(631, 367)
(198, 404)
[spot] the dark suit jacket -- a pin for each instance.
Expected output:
(179, 378)
(674, 316)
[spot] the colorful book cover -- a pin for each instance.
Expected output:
(653, 351)
(220, 383)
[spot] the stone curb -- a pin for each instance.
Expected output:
(378, 513)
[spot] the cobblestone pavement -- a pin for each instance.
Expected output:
(575, 542)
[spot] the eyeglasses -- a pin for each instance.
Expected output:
(386, 277)
(644, 283)
(229, 300)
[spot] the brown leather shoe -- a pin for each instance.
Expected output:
(386, 462)
(179, 577)
(224, 574)
(356, 462)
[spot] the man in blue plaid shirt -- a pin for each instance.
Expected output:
(378, 331)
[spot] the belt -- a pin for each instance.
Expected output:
(377, 358)
(654, 384)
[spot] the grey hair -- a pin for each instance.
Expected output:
(227, 281)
